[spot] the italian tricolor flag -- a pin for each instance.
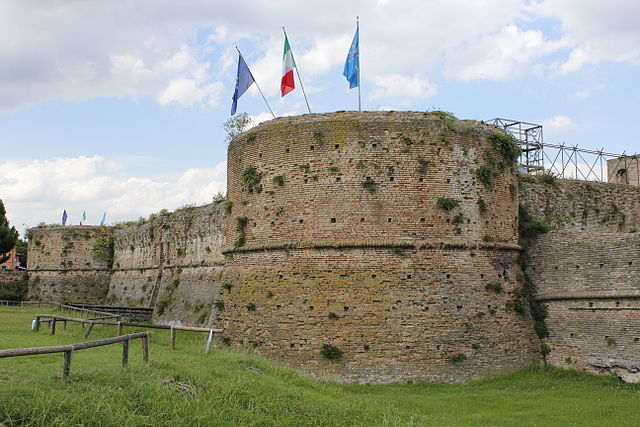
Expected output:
(288, 64)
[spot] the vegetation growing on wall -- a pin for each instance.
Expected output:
(14, 290)
(447, 204)
(102, 248)
(251, 180)
(241, 223)
(331, 352)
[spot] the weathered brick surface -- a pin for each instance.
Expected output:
(62, 267)
(590, 283)
(174, 260)
(405, 279)
(581, 205)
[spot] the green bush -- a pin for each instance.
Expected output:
(506, 145)
(278, 180)
(494, 287)
(457, 358)
(331, 352)
(370, 185)
(251, 180)
(15, 290)
(447, 204)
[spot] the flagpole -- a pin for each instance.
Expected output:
(359, 80)
(297, 72)
(260, 90)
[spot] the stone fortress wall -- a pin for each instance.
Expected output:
(62, 267)
(332, 235)
(342, 242)
(587, 273)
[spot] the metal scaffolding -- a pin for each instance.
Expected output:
(565, 161)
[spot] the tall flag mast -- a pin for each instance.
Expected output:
(352, 64)
(244, 80)
(287, 83)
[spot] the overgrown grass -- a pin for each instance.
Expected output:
(230, 388)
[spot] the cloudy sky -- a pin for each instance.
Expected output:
(117, 105)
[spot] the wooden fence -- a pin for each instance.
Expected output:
(69, 349)
(52, 319)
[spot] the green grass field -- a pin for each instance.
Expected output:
(229, 388)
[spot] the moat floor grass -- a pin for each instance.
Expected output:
(230, 388)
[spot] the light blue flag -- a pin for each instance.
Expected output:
(352, 65)
(104, 217)
(64, 217)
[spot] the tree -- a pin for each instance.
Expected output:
(236, 125)
(22, 250)
(8, 235)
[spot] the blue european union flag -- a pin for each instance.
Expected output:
(352, 65)
(244, 80)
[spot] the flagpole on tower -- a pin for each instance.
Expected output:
(297, 72)
(260, 90)
(359, 81)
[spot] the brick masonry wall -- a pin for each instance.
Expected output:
(581, 205)
(172, 263)
(61, 265)
(352, 228)
(590, 283)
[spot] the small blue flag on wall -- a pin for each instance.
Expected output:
(244, 80)
(64, 217)
(352, 65)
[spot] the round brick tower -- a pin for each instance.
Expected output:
(388, 237)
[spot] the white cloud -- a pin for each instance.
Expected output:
(557, 124)
(403, 89)
(37, 191)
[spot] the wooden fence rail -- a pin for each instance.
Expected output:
(70, 348)
(54, 318)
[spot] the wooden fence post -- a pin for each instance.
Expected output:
(67, 364)
(88, 331)
(207, 348)
(53, 326)
(119, 328)
(145, 349)
(125, 353)
(173, 338)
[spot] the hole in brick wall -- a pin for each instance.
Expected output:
(407, 347)
(273, 223)
(617, 303)
(366, 347)
(278, 306)
(425, 309)
(337, 146)
(338, 179)
(636, 339)
(390, 178)
(286, 150)
(260, 155)
(577, 267)
(448, 220)
(438, 347)
(571, 335)
(422, 219)
(361, 219)
(408, 276)
(373, 276)
(312, 148)
(280, 276)
(333, 220)
(388, 219)
(374, 145)
(555, 267)
(306, 180)
(448, 276)
(590, 304)
(630, 262)
(468, 221)
(292, 345)
(301, 221)
(482, 275)
(601, 265)
(346, 308)
(439, 150)
(448, 180)
(311, 307)
(368, 178)
(255, 225)
(420, 179)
